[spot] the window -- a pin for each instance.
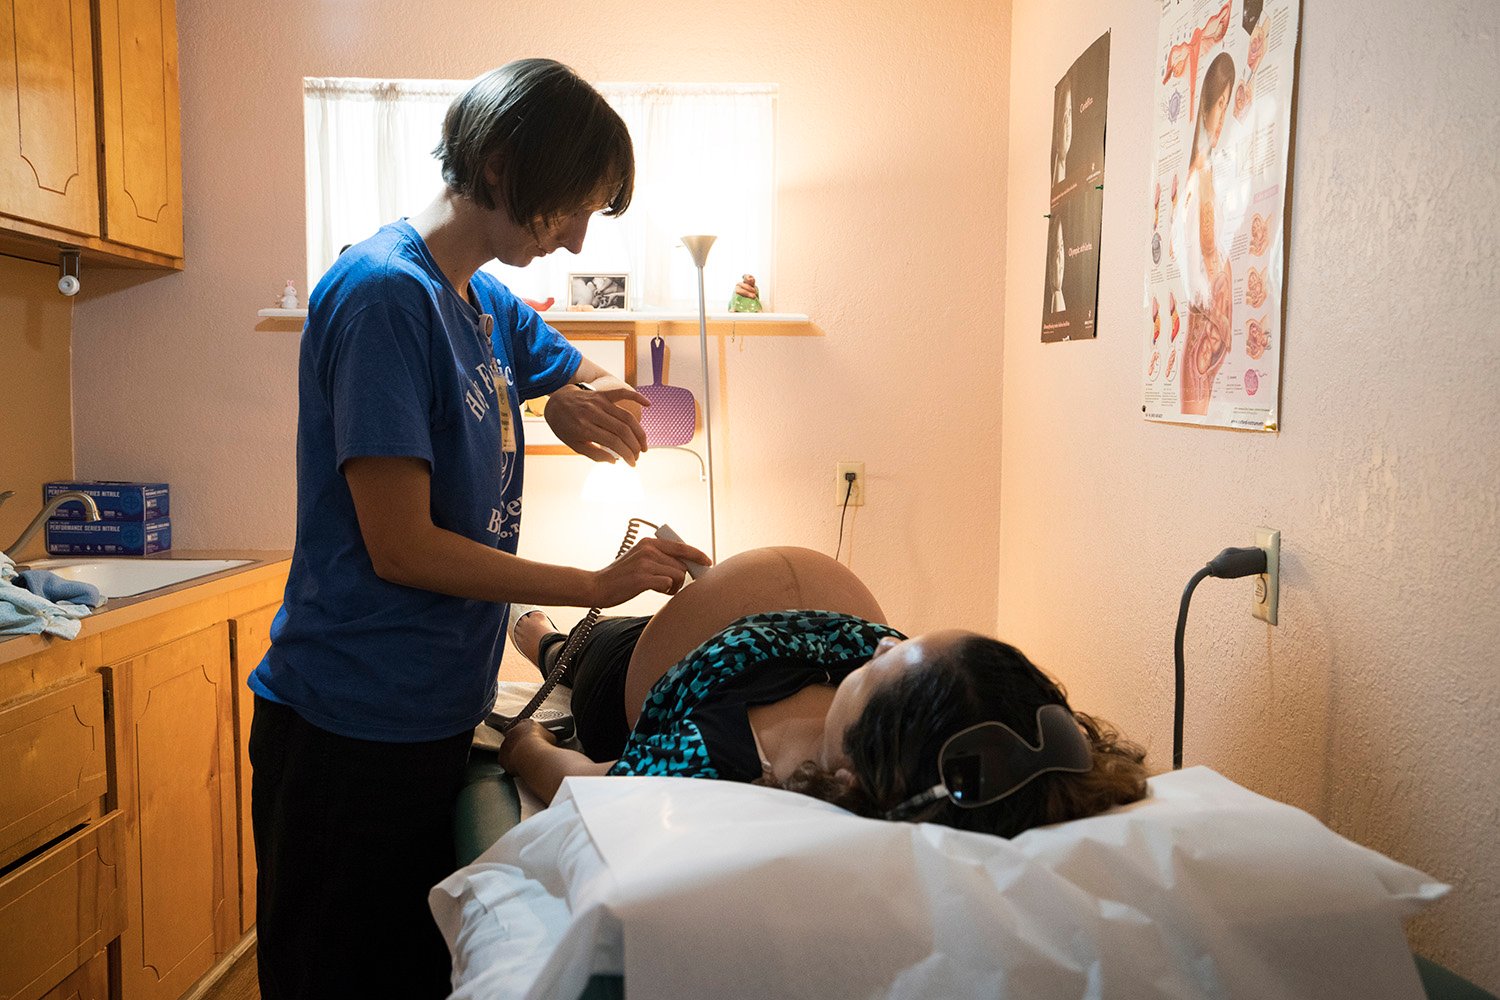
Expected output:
(705, 158)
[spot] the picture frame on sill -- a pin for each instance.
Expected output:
(598, 291)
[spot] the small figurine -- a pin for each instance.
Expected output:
(289, 296)
(746, 298)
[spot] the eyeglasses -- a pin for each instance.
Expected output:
(989, 761)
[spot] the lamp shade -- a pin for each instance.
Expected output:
(697, 248)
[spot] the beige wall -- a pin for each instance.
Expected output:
(1376, 702)
(1373, 705)
(892, 191)
(36, 416)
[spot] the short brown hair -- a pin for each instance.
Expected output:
(553, 139)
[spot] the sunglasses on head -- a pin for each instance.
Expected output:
(986, 762)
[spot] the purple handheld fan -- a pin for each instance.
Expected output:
(673, 413)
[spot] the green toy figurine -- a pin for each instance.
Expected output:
(746, 298)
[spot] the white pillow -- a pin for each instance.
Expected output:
(698, 888)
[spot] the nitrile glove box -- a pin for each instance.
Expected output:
(109, 538)
(116, 501)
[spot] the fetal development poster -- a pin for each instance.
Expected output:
(1222, 121)
(1078, 116)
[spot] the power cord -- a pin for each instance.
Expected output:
(849, 477)
(1231, 564)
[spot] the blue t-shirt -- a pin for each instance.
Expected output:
(394, 362)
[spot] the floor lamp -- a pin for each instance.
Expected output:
(698, 247)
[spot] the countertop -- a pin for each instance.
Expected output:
(125, 610)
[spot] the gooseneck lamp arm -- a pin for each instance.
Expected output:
(698, 247)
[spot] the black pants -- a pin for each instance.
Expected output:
(349, 837)
(597, 677)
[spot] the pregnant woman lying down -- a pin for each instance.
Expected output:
(948, 727)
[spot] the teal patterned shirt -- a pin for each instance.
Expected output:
(694, 722)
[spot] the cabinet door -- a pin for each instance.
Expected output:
(176, 780)
(139, 127)
(48, 170)
(250, 636)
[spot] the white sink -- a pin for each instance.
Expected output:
(127, 577)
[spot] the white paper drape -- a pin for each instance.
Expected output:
(705, 163)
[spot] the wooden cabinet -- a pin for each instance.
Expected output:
(60, 908)
(62, 886)
(109, 185)
(249, 638)
(175, 734)
(124, 794)
(89, 982)
(138, 124)
(48, 169)
(54, 749)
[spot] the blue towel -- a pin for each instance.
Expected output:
(25, 613)
(45, 583)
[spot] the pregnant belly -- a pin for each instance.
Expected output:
(770, 579)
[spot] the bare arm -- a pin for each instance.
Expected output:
(392, 501)
(599, 424)
(602, 381)
(530, 754)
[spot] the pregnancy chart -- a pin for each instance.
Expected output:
(1221, 126)
(1079, 106)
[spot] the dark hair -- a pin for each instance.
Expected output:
(894, 744)
(551, 137)
(1218, 79)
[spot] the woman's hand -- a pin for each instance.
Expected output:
(653, 564)
(530, 753)
(597, 424)
(517, 737)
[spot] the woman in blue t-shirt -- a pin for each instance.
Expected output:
(826, 700)
(383, 657)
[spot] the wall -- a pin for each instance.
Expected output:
(1374, 703)
(36, 420)
(886, 184)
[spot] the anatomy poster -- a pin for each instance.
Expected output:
(1078, 115)
(1221, 129)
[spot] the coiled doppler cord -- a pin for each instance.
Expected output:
(577, 636)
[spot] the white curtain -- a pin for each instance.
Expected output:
(705, 163)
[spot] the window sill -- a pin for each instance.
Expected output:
(666, 324)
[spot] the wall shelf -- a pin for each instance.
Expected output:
(554, 316)
(666, 324)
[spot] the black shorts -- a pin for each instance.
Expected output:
(597, 677)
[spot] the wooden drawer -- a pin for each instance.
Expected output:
(53, 747)
(90, 982)
(60, 909)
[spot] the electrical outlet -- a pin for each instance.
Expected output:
(841, 484)
(1268, 584)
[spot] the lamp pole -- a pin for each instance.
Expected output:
(698, 247)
